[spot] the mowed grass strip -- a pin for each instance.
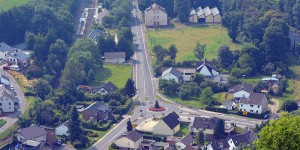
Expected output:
(8, 4)
(185, 40)
(117, 74)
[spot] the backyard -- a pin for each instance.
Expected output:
(184, 130)
(117, 74)
(185, 40)
(8, 4)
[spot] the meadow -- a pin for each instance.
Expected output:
(8, 4)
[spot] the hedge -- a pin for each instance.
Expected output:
(102, 127)
(29, 93)
(252, 115)
(215, 109)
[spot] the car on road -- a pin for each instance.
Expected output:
(6, 68)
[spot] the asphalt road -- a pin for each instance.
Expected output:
(146, 92)
(13, 117)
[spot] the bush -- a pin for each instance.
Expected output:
(29, 93)
(215, 109)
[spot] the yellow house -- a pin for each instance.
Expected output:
(193, 16)
(208, 15)
(169, 125)
(131, 140)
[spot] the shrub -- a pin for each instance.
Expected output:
(215, 109)
(29, 93)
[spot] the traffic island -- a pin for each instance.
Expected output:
(160, 109)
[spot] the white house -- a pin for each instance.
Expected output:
(256, 103)
(109, 87)
(206, 68)
(156, 15)
(7, 99)
(208, 15)
(241, 90)
(4, 80)
(169, 125)
(171, 74)
(216, 15)
(131, 140)
(115, 57)
(193, 16)
(241, 139)
(186, 143)
(4, 49)
(19, 58)
(62, 129)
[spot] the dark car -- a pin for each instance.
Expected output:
(6, 68)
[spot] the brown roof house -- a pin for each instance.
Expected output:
(114, 57)
(36, 133)
(169, 125)
(155, 15)
(131, 140)
(97, 112)
(256, 103)
(207, 125)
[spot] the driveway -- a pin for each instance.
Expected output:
(274, 105)
(12, 118)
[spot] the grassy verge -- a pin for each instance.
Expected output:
(2, 122)
(185, 40)
(221, 97)
(184, 130)
(194, 102)
(117, 74)
(8, 4)
(10, 131)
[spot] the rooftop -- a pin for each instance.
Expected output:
(5, 48)
(113, 55)
(205, 123)
(98, 106)
(155, 6)
(19, 55)
(110, 87)
(133, 135)
(243, 86)
(207, 11)
(254, 98)
(173, 71)
(172, 120)
(32, 132)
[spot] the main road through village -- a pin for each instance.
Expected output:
(147, 91)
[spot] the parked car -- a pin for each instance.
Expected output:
(14, 67)
(6, 68)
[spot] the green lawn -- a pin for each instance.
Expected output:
(184, 130)
(185, 40)
(194, 102)
(117, 74)
(2, 122)
(8, 4)
(221, 97)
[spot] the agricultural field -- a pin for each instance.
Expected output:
(117, 74)
(8, 4)
(185, 39)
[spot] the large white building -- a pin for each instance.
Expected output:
(7, 99)
(156, 15)
(256, 103)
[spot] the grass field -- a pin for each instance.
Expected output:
(2, 122)
(193, 102)
(185, 40)
(184, 130)
(117, 74)
(8, 4)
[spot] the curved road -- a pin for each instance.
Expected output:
(146, 92)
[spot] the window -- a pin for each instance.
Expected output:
(9, 103)
(157, 17)
(241, 105)
(158, 12)
(244, 109)
(251, 111)
(154, 17)
(9, 108)
(154, 12)
(258, 106)
(155, 23)
(0, 104)
(257, 111)
(251, 105)
(158, 23)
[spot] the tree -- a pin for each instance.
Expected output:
(125, 45)
(156, 104)
(108, 21)
(231, 21)
(181, 8)
(206, 96)
(200, 138)
(91, 75)
(126, 33)
(168, 86)
(225, 56)
(296, 13)
(129, 125)
(280, 134)
(188, 90)
(172, 51)
(198, 78)
(42, 88)
(74, 125)
(130, 89)
(199, 50)
(289, 106)
(124, 23)
(219, 128)
(160, 53)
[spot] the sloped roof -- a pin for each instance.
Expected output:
(19, 55)
(110, 87)
(32, 132)
(5, 48)
(98, 106)
(133, 135)
(173, 71)
(254, 98)
(172, 120)
(205, 123)
(193, 12)
(243, 86)
(5, 77)
(246, 138)
(187, 140)
(219, 144)
(155, 6)
(199, 11)
(207, 11)
(95, 33)
(113, 55)
(208, 64)
(215, 11)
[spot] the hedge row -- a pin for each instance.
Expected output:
(215, 109)
(252, 115)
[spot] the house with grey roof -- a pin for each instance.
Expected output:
(207, 125)
(95, 34)
(130, 140)
(205, 15)
(97, 112)
(186, 143)
(114, 57)
(216, 15)
(208, 15)
(4, 50)
(228, 104)
(206, 68)
(19, 58)
(241, 90)
(109, 87)
(169, 125)
(256, 103)
(171, 74)
(4, 80)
